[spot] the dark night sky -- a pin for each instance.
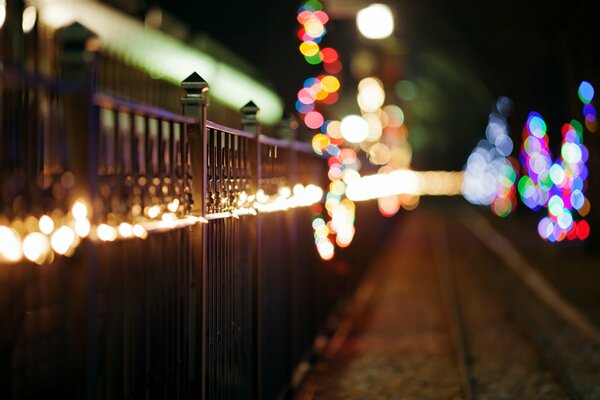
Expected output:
(467, 53)
(263, 32)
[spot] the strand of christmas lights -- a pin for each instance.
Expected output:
(558, 186)
(40, 239)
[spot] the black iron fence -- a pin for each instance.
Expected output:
(140, 296)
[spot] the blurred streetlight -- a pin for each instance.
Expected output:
(375, 21)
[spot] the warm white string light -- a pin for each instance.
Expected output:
(62, 235)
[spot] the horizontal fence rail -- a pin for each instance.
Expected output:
(141, 255)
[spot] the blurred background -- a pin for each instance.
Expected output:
(460, 57)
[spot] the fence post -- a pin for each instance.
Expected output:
(251, 124)
(195, 105)
(77, 72)
(77, 68)
(288, 132)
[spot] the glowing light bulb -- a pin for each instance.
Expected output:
(36, 247)
(370, 95)
(298, 189)
(330, 84)
(62, 240)
(585, 92)
(125, 230)
(106, 233)
(79, 210)
(354, 128)
(46, 225)
(389, 205)
(285, 192)
(313, 193)
(139, 231)
(375, 21)
(326, 250)
(261, 197)
(82, 227)
(10, 245)
(173, 206)
(314, 28)
(375, 127)
(153, 211)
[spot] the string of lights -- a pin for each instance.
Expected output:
(558, 186)
(58, 232)
(490, 173)
(379, 132)
(323, 89)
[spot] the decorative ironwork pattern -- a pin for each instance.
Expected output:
(229, 167)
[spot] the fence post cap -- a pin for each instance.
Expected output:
(194, 83)
(249, 120)
(73, 34)
(250, 108)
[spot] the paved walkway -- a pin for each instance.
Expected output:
(428, 324)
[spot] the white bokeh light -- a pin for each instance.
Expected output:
(375, 21)
(354, 128)
(370, 95)
(29, 18)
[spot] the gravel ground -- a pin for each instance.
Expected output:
(402, 343)
(506, 363)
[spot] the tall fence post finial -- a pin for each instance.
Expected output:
(77, 67)
(195, 105)
(250, 124)
(249, 118)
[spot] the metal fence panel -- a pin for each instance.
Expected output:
(224, 310)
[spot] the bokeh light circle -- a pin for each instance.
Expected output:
(354, 128)
(585, 92)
